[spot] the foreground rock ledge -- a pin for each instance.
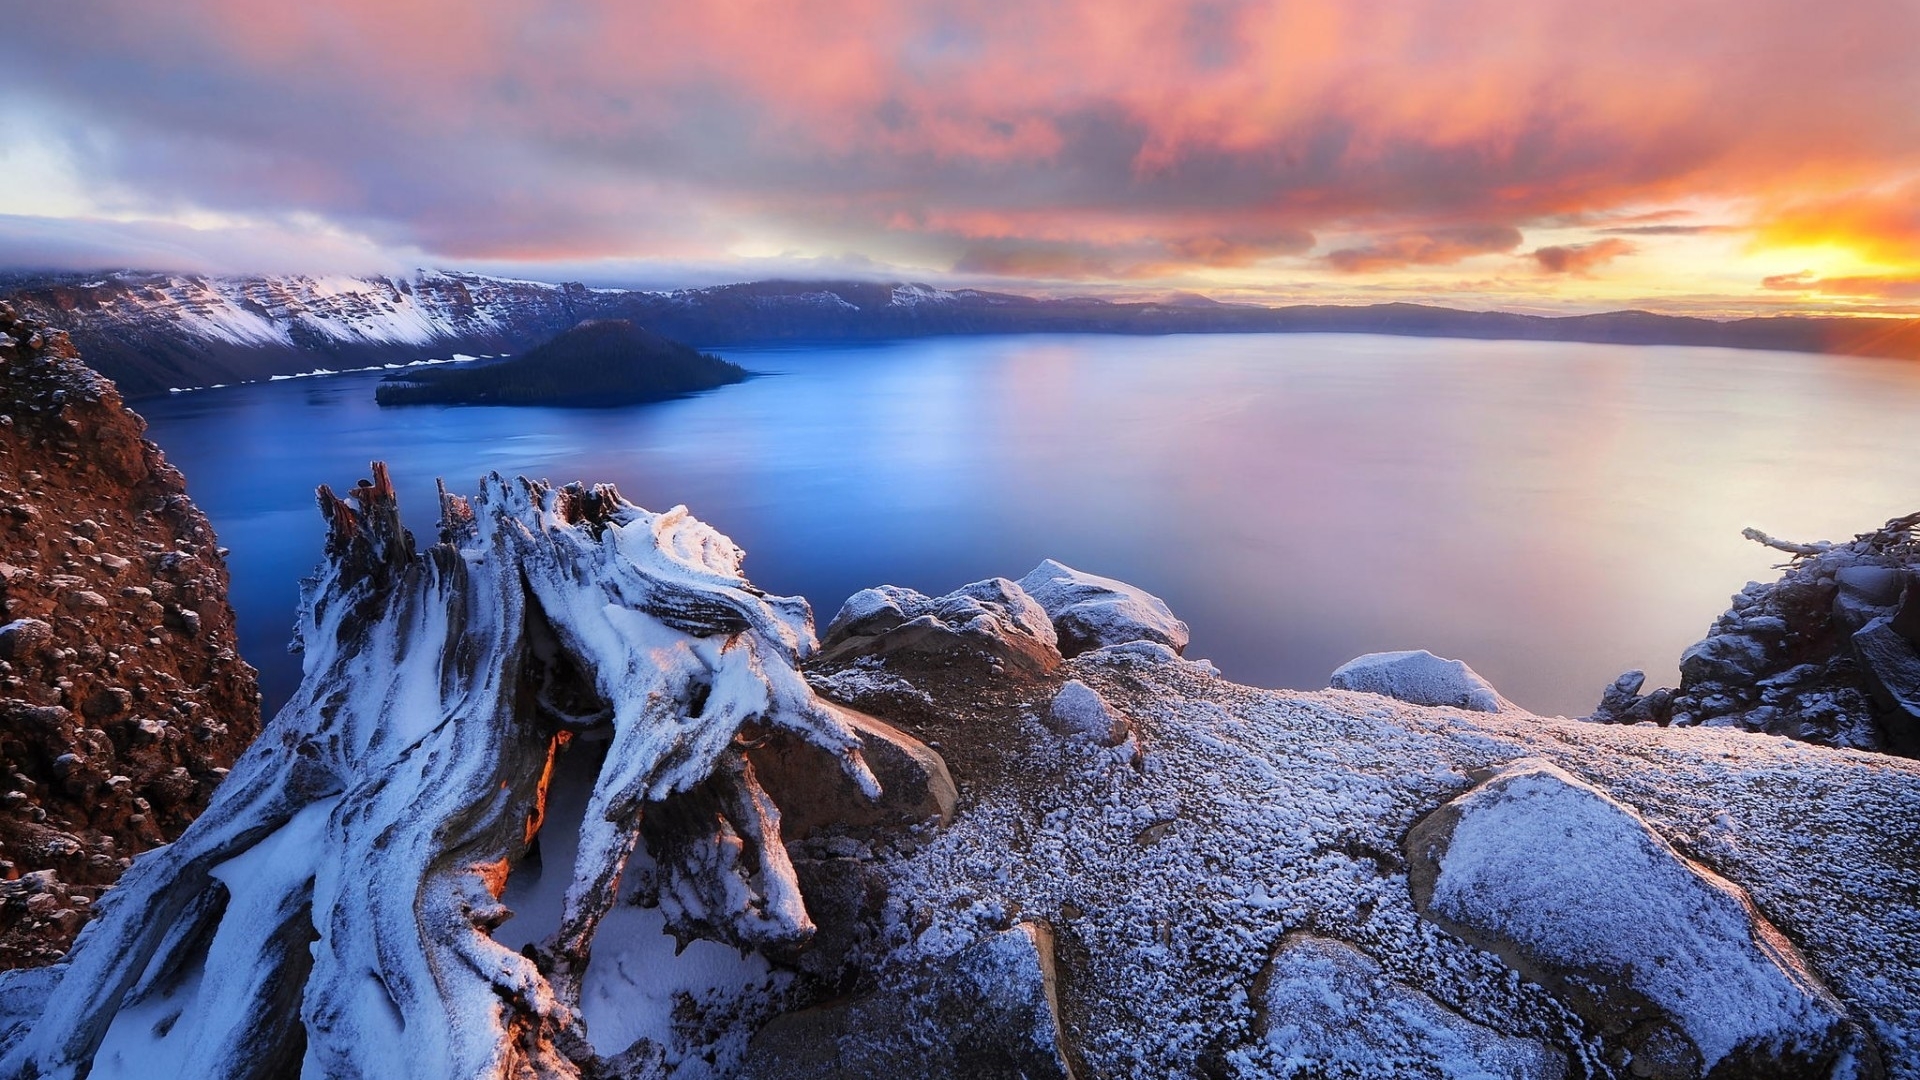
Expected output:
(531, 761)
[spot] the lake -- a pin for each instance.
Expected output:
(1552, 514)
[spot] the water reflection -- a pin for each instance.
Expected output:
(1550, 513)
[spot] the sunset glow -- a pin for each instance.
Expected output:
(1713, 157)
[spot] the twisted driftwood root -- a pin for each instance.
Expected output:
(332, 908)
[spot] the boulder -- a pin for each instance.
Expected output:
(1623, 703)
(1669, 963)
(1418, 677)
(22, 639)
(1089, 611)
(1078, 709)
(812, 791)
(988, 1012)
(994, 617)
(1863, 593)
(1890, 668)
(1320, 1000)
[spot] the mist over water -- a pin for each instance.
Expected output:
(1550, 513)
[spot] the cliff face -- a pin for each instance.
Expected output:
(122, 702)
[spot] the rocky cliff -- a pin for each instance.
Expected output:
(122, 702)
(565, 795)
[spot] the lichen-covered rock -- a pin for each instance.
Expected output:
(1671, 963)
(1418, 677)
(122, 701)
(1089, 611)
(993, 618)
(1324, 1007)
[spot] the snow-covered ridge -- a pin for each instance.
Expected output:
(417, 309)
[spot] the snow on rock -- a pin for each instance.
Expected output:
(1328, 1008)
(1089, 611)
(995, 617)
(1078, 709)
(332, 909)
(1666, 959)
(1418, 677)
(988, 1011)
(1171, 878)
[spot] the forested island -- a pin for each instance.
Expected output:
(598, 362)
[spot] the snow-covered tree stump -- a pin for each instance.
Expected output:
(331, 910)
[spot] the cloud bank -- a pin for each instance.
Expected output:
(1164, 140)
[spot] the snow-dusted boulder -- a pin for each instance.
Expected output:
(1078, 709)
(1089, 611)
(1667, 960)
(333, 911)
(994, 617)
(1418, 677)
(1329, 1008)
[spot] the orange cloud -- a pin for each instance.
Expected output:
(1865, 287)
(1437, 247)
(1580, 259)
(1077, 138)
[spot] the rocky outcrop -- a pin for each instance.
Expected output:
(516, 823)
(995, 619)
(122, 702)
(1243, 896)
(1829, 653)
(1418, 677)
(1670, 963)
(1092, 612)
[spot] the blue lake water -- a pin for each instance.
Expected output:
(1550, 513)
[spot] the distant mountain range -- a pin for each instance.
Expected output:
(156, 332)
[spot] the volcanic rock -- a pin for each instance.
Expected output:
(1826, 654)
(993, 618)
(1669, 962)
(986, 1013)
(1089, 611)
(117, 719)
(1418, 677)
(1324, 1002)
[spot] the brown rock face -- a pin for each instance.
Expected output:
(122, 701)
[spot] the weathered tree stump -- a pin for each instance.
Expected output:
(332, 907)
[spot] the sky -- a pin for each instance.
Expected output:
(1719, 157)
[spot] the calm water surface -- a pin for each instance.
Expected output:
(1552, 514)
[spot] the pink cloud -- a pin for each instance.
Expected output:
(1129, 137)
(1580, 259)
